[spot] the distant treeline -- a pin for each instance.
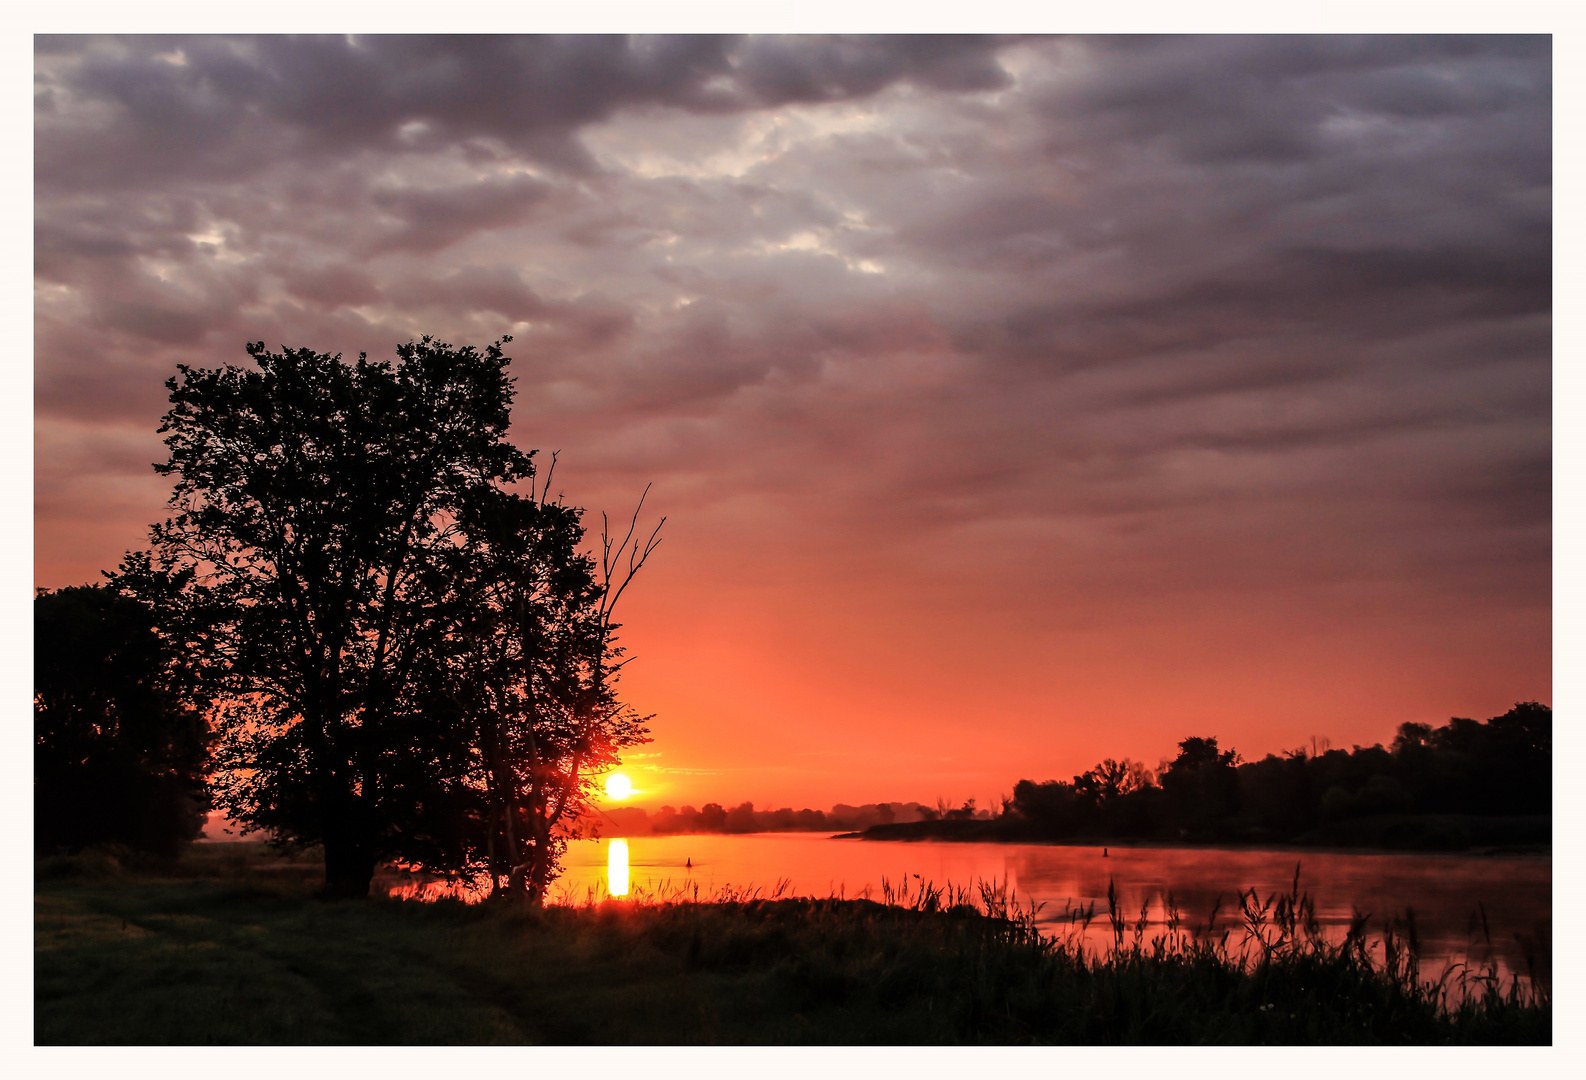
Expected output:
(744, 818)
(1464, 784)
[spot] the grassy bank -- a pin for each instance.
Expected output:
(230, 947)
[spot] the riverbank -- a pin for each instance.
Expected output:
(232, 948)
(1406, 833)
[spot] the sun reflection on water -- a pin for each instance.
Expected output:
(617, 868)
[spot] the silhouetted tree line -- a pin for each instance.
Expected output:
(402, 653)
(744, 818)
(1498, 769)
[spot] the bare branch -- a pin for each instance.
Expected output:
(545, 489)
(636, 558)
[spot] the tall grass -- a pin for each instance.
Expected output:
(1280, 930)
(1271, 974)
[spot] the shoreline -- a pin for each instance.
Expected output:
(1486, 851)
(1440, 834)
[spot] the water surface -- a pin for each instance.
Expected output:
(1447, 893)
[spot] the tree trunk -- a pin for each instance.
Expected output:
(349, 866)
(539, 878)
(491, 859)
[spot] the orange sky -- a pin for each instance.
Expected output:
(1012, 404)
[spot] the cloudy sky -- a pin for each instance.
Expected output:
(1011, 403)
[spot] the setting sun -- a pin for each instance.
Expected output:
(618, 786)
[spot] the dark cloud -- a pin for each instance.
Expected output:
(1271, 100)
(222, 106)
(772, 72)
(499, 289)
(331, 285)
(431, 219)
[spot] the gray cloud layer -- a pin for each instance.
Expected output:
(1079, 316)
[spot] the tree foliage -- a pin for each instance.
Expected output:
(120, 744)
(535, 675)
(1498, 769)
(411, 655)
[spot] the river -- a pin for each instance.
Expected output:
(1447, 893)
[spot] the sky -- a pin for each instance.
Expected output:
(1011, 403)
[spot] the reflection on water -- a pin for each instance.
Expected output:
(1482, 909)
(1451, 896)
(617, 868)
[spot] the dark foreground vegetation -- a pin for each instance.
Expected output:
(229, 946)
(1464, 785)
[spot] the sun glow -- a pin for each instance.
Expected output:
(617, 868)
(618, 787)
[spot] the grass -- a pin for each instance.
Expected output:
(230, 947)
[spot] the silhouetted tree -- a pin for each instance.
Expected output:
(1053, 807)
(1522, 748)
(1201, 784)
(810, 819)
(1110, 780)
(965, 812)
(1502, 766)
(741, 819)
(535, 672)
(1280, 794)
(315, 502)
(120, 742)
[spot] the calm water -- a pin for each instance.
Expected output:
(1443, 890)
